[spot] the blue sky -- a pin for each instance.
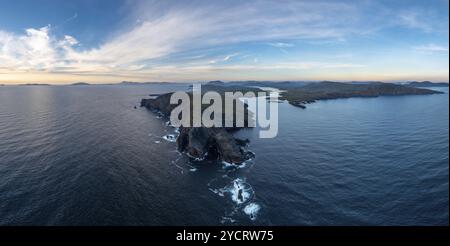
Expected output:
(108, 41)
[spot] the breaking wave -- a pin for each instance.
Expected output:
(252, 210)
(170, 138)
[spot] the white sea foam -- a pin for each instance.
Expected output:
(228, 165)
(157, 141)
(159, 115)
(219, 192)
(168, 123)
(246, 163)
(170, 138)
(202, 158)
(241, 194)
(192, 168)
(227, 220)
(179, 167)
(240, 191)
(252, 210)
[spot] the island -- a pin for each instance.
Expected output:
(35, 84)
(80, 84)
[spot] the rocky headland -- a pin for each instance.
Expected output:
(207, 142)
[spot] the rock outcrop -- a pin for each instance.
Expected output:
(203, 142)
(161, 104)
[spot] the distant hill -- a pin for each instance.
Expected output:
(275, 84)
(80, 83)
(286, 85)
(364, 82)
(130, 83)
(222, 87)
(282, 85)
(35, 84)
(427, 84)
(216, 82)
(140, 83)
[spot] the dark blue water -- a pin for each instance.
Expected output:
(84, 156)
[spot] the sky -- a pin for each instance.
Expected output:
(105, 41)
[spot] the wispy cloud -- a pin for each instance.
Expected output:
(413, 19)
(281, 45)
(72, 18)
(432, 48)
(228, 57)
(424, 18)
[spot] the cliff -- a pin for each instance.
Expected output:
(204, 142)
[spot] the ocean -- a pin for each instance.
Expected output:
(84, 155)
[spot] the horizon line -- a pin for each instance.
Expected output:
(206, 81)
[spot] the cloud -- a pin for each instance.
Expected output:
(72, 18)
(305, 65)
(33, 50)
(228, 57)
(224, 59)
(432, 48)
(413, 19)
(281, 45)
(182, 27)
(238, 68)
